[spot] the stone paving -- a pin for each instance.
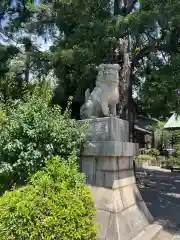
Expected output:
(161, 192)
(176, 236)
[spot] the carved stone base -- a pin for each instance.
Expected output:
(108, 166)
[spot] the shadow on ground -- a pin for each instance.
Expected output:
(161, 192)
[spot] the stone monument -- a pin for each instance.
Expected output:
(103, 99)
(107, 162)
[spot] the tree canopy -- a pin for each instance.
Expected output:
(85, 34)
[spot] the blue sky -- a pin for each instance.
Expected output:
(35, 1)
(39, 40)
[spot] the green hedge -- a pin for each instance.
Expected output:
(145, 158)
(153, 152)
(56, 204)
(173, 162)
(30, 132)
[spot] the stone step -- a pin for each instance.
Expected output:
(170, 232)
(164, 235)
(150, 233)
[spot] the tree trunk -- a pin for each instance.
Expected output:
(125, 106)
(131, 114)
(27, 69)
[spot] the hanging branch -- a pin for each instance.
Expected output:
(150, 48)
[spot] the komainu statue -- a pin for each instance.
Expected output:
(103, 99)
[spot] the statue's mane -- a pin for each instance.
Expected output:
(103, 71)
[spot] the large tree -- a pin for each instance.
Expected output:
(158, 93)
(87, 34)
(19, 26)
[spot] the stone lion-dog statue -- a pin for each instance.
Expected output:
(102, 101)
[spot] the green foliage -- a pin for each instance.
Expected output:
(153, 152)
(56, 204)
(85, 37)
(76, 57)
(6, 53)
(162, 138)
(177, 147)
(157, 125)
(175, 138)
(88, 40)
(173, 162)
(144, 158)
(165, 81)
(16, 67)
(32, 131)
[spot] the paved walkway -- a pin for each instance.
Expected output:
(161, 192)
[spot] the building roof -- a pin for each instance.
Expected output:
(173, 122)
(143, 121)
(142, 130)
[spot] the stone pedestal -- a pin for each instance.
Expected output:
(107, 161)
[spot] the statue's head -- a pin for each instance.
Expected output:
(108, 74)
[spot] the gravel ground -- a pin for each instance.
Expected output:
(161, 191)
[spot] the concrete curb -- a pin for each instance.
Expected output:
(151, 232)
(177, 235)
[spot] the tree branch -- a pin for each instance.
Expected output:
(151, 48)
(5, 36)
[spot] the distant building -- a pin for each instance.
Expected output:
(173, 123)
(143, 136)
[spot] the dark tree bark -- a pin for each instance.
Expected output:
(27, 70)
(125, 106)
(124, 7)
